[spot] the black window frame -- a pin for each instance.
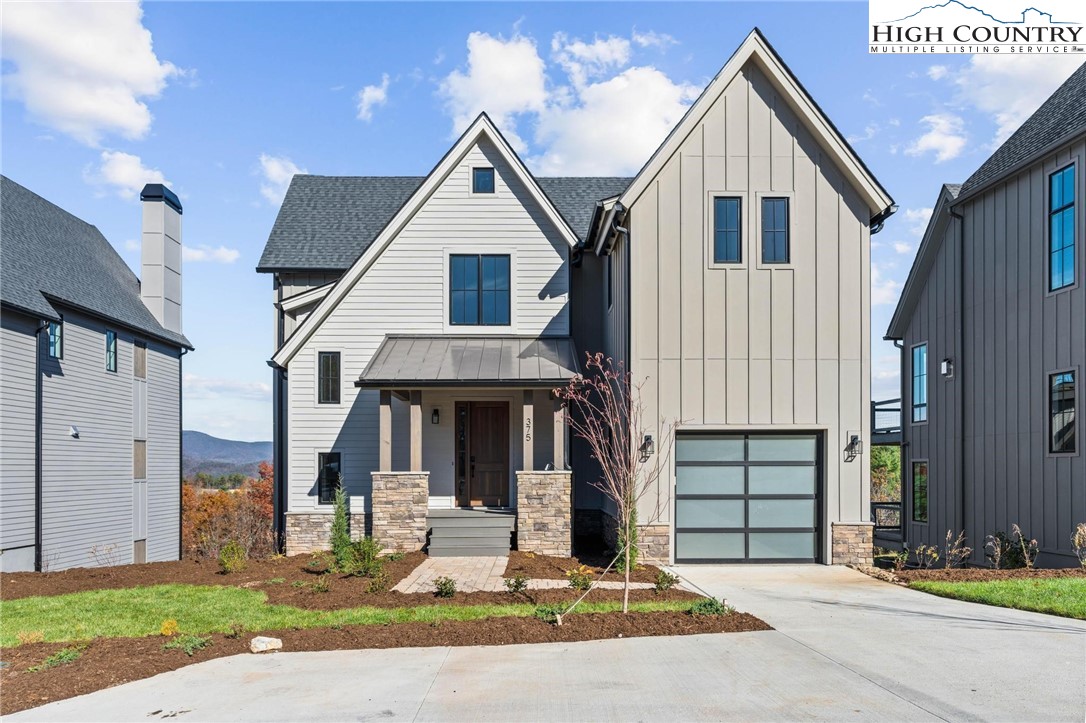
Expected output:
(1053, 212)
(1072, 438)
(480, 291)
(326, 489)
(914, 406)
(738, 230)
(777, 233)
(111, 351)
(921, 489)
(55, 340)
(329, 389)
(485, 170)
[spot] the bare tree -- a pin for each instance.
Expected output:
(605, 410)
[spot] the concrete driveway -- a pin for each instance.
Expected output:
(847, 648)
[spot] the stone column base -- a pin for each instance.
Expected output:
(653, 541)
(544, 512)
(399, 503)
(853, 543)
(312, 531)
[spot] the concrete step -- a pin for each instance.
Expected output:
(482, 551)
(469, 541)
(447, 533)
(497, 522)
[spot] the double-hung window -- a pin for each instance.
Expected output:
(479, 290)
(775, 231)
(56, 340)
(920, 383)
(329, 477)
(727, 230)
(1061, 229)
(1061, 412)
(111, 350)
(328, 377)
(920, 491)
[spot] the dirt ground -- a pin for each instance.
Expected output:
(544, 567)
(966, 574)
(108, 662)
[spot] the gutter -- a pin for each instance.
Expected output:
(959, 366)
(38, 486)
(180, 456)
(279, 455)
(879, 219)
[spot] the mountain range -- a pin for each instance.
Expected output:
(204, 453)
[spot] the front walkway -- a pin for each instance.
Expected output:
(480, 574)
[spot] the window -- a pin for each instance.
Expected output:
(139, 360)
(482, 180)
(56, 340)
(111, 351)
(479, 290)
(920, 491)
(920, 383)
(329, 477)
(328, 377)
(774, 230)
(727, 229)
(1061, 229)
(139, 459)
(1061, 413)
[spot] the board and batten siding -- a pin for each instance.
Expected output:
(1015, 333)
(17, 416)
(746, 347)
(294, 283)
(405, 291)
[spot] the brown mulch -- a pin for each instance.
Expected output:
(108, 662)
(545, 567)
(966, 574)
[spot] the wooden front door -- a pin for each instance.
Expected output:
(483, 448)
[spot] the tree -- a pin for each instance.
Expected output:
(605, 410)
(885, 474)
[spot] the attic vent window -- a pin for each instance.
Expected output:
(482, 180)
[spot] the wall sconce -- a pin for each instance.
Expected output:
(435, 417)
(946, 368)
(854, 448)
(73, 431)
(647, 448)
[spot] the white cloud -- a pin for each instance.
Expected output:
(124, 172)
(870, 131)
(132, 245)
(938, 72)
(903, 248)
(653, 39)
(277, 172)
(883, 290)
(945, 137)
(220, 255)
(83, 68)
(372, 96)
(197, 387)
(582, 61)
(917, 219)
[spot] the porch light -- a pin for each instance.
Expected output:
(648, 448)
(435, 417)
(946, 367)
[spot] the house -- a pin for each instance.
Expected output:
(90, 382)
(422, 322)
(992, 327)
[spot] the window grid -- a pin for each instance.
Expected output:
(1061, 413)
(920, 491)
(328, 377)
(482, 180)
(56, 340)
(479, 290)
(727, 230)
(1061, 229)
(920, 383)
(111, 351)
(775, 231)
(329, 477)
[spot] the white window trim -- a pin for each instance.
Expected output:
(744, 229)
(471, 181)
(927, 385)
(757, 245)
(1080, 226)
(1048, 412)
(446, 313)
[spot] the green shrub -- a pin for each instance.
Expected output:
(444, 587)
(665, 581)
(517, 583)
(580, 578)
(321, 562)
(628, 537)
(189, 644)
(365, 558)
(548, 613)
(379, 582)
(342, 547)
(711, 606)
(321, 584)
(232, 557)
(395, 556)
(61, 657)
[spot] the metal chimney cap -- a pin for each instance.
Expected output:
(159, 192)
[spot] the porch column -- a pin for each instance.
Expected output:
(559, 434)
(527, 431)
(384, 445)
(416, 430)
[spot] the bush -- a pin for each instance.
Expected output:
(322, 584)
(444, 587)
(665, 581)
(517, 583)
(342, 547)
(711, 606)
(321, 562)
(379, 582)
(395, 556)
(189, 644)
(1078, 542)
(232, 557)
(548, 613)
(1010, 552)
(628, 537)
(168, 628)
(580, 578)
(61, 657)
(365, 558)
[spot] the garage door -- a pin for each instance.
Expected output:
(747, 498)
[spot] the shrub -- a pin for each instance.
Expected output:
(444, 587)
(168, 628)
(232, 557)
(321, 562)
(580, 578)
(1078, 541)
(322, 584)
(901, 559)
(395, 556)
(1010, 552)
(549, 613)
(1027, 548)
(665, 581)
(379, 582)
(188, 644)
(628, 537)
(956, 552)
(61, 657)
(517, 583)
(711, 606)
(926, 556)
(30, 636)
(342, 547)
(365, 558)
(235, 631)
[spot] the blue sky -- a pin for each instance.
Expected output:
(224, 101)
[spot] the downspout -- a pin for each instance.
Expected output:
(279, 454)
(900, 345)
(38, 486)
(960, 367)
(180, 455)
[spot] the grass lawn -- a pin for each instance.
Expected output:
(136, 612)
(1055, 596)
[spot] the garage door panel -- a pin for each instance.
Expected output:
(782, 513)
(784, 448)
(791, 480)
(709, 480)
(715, 448)
(782, 545)
(710, 546)
(712, 513)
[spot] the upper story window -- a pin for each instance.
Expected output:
(1061, 413)
(775, 231)
(479, 290)
(111, 350)
(56, 340)
(920, 383)
(329, 477)
(727, 230)
(1061, 229)
(328, 377)
(482, 180)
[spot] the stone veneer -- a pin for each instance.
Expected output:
(853, 543)
(653, 541)
(311, 531)
(399, 504)
(544, 512)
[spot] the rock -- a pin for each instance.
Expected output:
(261, 644)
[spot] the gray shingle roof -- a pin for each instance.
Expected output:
(1062, 115)
(48, 254)
(326, 222)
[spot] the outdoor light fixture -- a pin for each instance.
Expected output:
(73, 431)
(854, 448)
(946, 367)
(435, 417)
(648, 448)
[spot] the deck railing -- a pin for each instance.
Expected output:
(886, 516)
(886, 421)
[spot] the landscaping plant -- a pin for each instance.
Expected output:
(169, 628)
(321, 584)
(711, 606)
(517, 583)
(340, 537)
(580, 578)
(956, 552)
(61, 657)
(444, 587)
(1027, 548)
(549, 613)
(188, 644)
(665, 581)
(232, 557)
(379, 581)
(1078, 542)
(926, 556)
(30, 636)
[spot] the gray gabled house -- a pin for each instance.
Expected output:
(992, 326)
(90, 387)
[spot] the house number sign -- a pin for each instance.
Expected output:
(527, 430)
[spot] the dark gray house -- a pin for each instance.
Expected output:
(90, 387)
(992, 327)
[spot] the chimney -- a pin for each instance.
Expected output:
(160, 276)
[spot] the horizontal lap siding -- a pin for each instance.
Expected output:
(17, 424)
(163, 453)
(405, 292)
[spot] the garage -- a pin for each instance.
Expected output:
(747, 497)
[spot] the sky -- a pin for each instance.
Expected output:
(226, 101)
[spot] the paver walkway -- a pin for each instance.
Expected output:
(480, 574)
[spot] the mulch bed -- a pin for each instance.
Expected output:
(108, 662)
(966, 574)
(545, 567)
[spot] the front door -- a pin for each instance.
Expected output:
(483, 437)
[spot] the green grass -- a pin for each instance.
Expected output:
(1064, 596)
(136, 612)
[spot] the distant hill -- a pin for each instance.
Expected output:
(204, 453)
